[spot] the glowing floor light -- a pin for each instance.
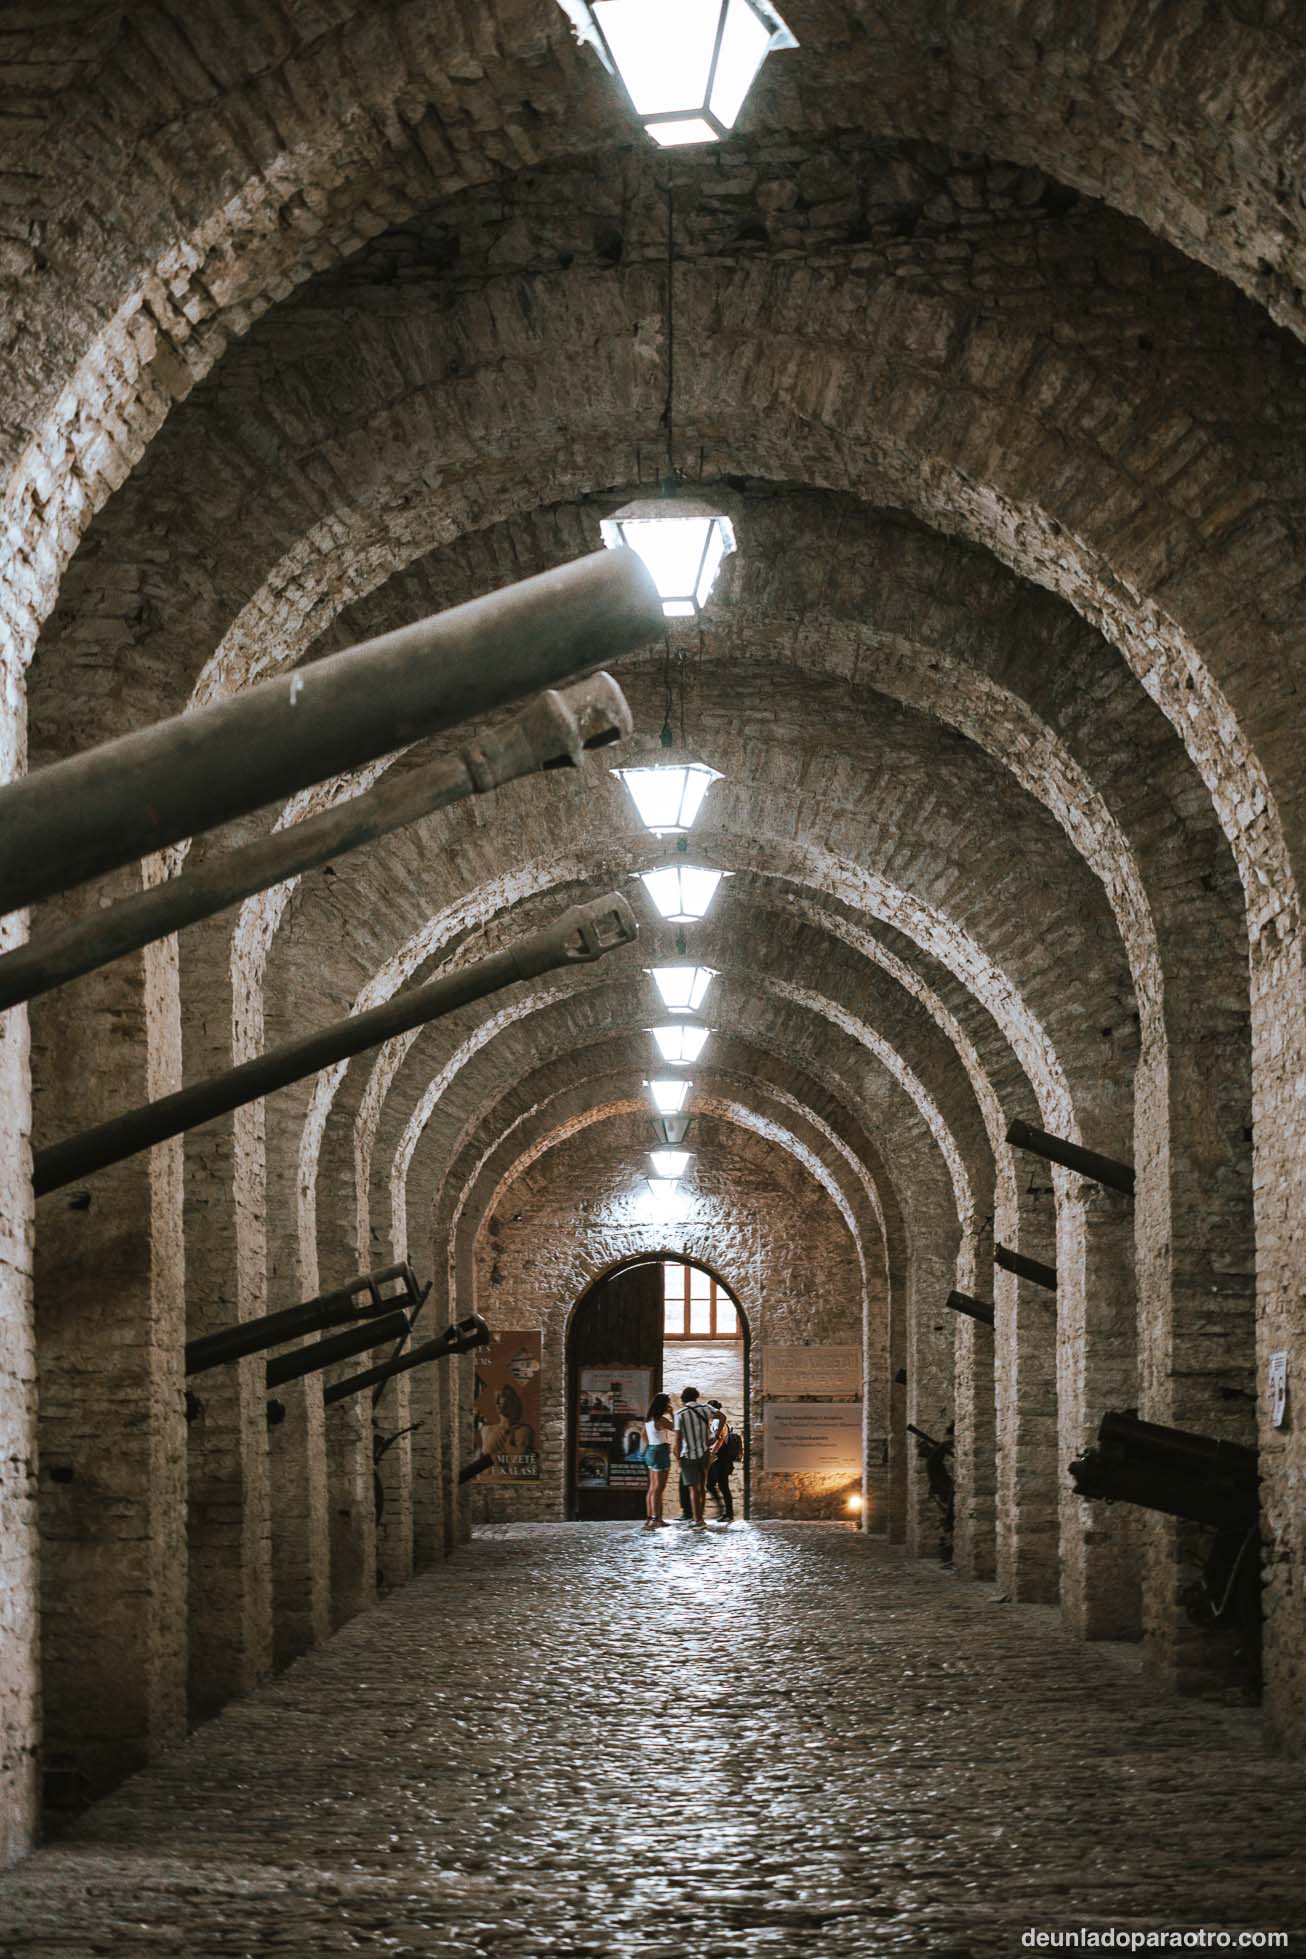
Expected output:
(682, 540)
(682, 892)
(680, 1043)
(686, 65)
(670, 1163)
(668, 799)
(668, 1096)
(682, 987)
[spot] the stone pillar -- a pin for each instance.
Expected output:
(301, 1576)
(930, 1342)
(1096, 1369)
(19, 1523)
(229, 1526)
(1025, 1397)
(111, 1327)
(351, 1500)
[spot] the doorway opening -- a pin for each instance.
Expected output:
(647, 1325)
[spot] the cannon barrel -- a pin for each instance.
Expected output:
(575, 937)
(1102, 1169)
(363, 1298)
(457, 1339)
(1173, 1470)
(1026, 1268)
(549, 732)
(974, 1309)
(476, 1467)
(81, 817)
(341, 1346)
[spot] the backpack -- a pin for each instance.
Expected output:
(731, 1449)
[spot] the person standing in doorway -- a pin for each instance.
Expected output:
(694, 1445)
(727, 1448)
(659, 1434)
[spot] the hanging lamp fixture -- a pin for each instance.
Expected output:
(682, 539)
(682, 987)
(670, 1163)
(682, 893)
(686, 66)
(668, 799)
(680, 1043)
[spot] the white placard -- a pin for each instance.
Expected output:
(811, 1370)
(1279, 1388)
(823, 1437)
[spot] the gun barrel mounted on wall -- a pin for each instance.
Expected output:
(575, 937)
(459, 1338)
(91, 813)
(363, 1298)
(1102, 1169)
(550, 732)
(1172, 1470)
(341, 1346)
(1026, 1268)
(974, 1309)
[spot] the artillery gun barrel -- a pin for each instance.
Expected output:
(458, 1339)
(341, 1346)
(575, 937)
(550, 732)
(1026, 1268)
(1101, 1169)
(363, 1298)
(93, 812)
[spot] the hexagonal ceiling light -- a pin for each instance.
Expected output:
(682, 987)
(681, 539)
(686, 65)
(681, 1043)
(682, 892)
(668, 798)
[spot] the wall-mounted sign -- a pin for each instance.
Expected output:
(811, 1370)
(506, 1406)
(813, 1438)
(610, 1407)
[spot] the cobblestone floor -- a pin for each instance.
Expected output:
(857, 1755)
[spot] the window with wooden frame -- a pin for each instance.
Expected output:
(695, 1307)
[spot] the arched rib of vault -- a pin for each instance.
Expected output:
(150, 319)
(609, 1009)
(904, 1037)
(754, 821)
(1003, 442)
(553, 1098)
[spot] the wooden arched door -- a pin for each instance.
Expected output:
(614, 1359)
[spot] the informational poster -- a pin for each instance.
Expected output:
(611, 1402)
(813, 1437)
(506, 1406)
(812, 1370)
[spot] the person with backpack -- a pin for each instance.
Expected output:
(727, 1448)
(694, 1427)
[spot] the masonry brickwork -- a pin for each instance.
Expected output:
(988, 337)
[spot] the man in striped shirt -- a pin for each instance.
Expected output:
(694, 1425)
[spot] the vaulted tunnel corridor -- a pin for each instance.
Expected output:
(651, 736)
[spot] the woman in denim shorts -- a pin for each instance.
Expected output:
(658, 1431)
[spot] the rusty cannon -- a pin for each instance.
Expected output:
(554, 731)
(367, 1297)
(1200, 1480)
(91, 813)
(577, 936)
(460, 1337)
